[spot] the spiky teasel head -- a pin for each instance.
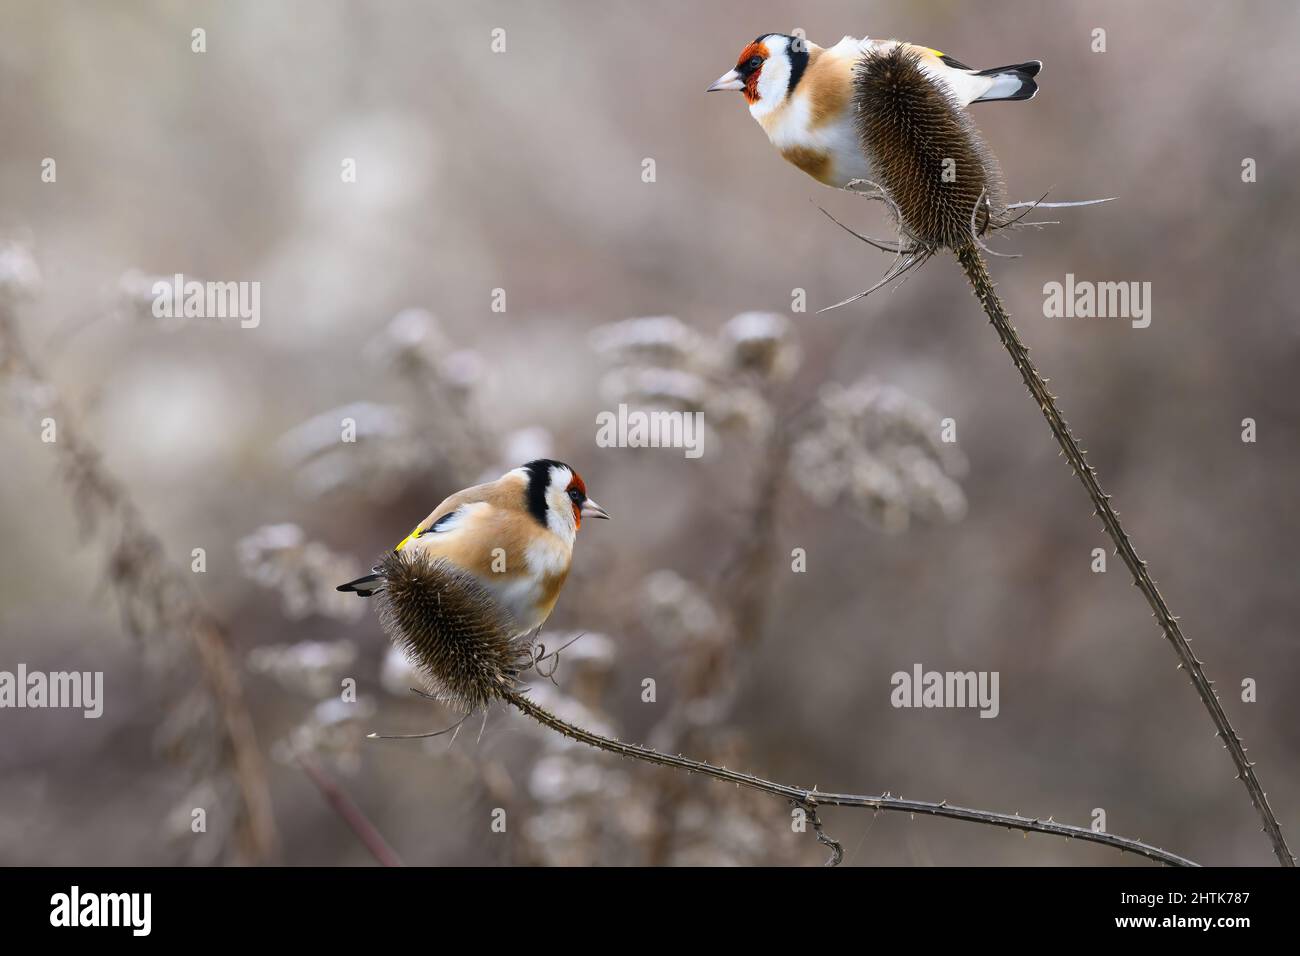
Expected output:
(925, 152)
(451, 628)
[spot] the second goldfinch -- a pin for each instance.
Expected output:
(515, 535)
(800, 93)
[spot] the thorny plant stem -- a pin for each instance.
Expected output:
(976, 270)
(351, 814)
(810, 800)
(184, 610)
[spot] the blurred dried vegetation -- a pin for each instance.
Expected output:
(226, 165)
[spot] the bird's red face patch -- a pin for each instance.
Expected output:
(750, 67)
(577, 492)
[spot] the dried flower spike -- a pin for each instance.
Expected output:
(913, 132)
(451, 628)
(924, 150)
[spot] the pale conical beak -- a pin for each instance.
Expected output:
(592, 510)
(728, 81)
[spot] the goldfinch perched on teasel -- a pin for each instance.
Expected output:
(801, 93)
(514, 535)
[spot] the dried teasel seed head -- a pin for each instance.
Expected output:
(451, 628)
(662, 341)
(762, 343)
(924, 151)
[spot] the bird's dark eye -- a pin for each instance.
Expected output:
(575, 496)
(754, 62)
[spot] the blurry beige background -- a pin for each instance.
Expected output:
(522, 171)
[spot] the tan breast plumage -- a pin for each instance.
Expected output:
(498, 540)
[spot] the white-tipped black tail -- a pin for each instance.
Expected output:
(363, 587)
(1015, 82)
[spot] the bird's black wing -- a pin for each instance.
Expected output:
(953, 62)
